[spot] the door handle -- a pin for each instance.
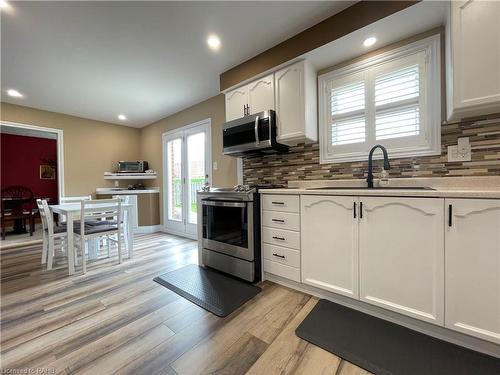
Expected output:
(360, 210)
(279, 256)
(256, 130)
(279, 238)
(450, 214)
(278, 202)
(278, 220)
(354, 209)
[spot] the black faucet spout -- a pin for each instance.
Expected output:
(387, 166)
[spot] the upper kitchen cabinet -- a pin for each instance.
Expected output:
(255, 97)
(261, 94)
(472, 259)
(295, 98)
(473, 58)
(236, 102)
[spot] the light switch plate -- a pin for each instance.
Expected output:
(215, 166)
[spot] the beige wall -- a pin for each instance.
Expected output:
(213, 108)
(90, 147)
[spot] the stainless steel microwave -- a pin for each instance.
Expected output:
(251, 134)
(139, 166)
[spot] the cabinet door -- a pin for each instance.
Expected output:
(329, 248)
(476, 53)
(401, 254)
(261, 94)
(236, 101)
(473, 267)
(290, 102)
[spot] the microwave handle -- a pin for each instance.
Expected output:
(256, 130)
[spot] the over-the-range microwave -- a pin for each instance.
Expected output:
(139, 166)
(251, 134)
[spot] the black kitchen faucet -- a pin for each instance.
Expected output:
(387, 166)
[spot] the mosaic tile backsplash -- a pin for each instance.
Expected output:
(302, 161)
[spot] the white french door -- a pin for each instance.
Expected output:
(186, 162)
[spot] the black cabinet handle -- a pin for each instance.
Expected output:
(450, 214)
(354, 209)
(360, 210)
(278, 220)
(279, 256)
(279, 238)
(278, 203)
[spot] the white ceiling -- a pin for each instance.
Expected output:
(146, 60)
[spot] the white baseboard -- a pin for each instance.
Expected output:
(439, 332)
(148, 229)
(180, 234)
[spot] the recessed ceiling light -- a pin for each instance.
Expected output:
(370, 41)
(14, 93)
(122, 117)
(213, 42)
(4, 4)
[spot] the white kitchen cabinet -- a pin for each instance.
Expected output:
(257, 96)
(329, 232)
(401, 255)
(261, 94)
(473, 58)
(236, 100)
(295, 99)
(472, 254)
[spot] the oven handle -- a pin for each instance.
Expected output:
(256, 130)
(223, 203)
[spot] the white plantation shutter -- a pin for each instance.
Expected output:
(348, 114)
(393, 99)
(397, 103)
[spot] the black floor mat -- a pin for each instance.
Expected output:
(212, 290)
(386, 348)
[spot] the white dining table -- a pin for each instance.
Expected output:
(73, 211)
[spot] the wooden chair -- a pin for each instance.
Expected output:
(17, 206)
(51, 233)
(109, 211)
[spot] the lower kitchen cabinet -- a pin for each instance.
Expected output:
(401, 255)
(329, 235)
(472, 270)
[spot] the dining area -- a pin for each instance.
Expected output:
(81, 229)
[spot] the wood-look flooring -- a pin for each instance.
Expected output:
(116, 320)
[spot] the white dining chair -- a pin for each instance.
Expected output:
(51, 233)
(109, 211)
(76, 199)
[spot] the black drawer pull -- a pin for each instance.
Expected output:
(279, 238)
(450, 215)
(279, 256)
(360, 210)
(354, 209)
(278, 220)
(278, 202)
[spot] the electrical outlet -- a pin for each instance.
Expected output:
(454, 155)
(215, 166)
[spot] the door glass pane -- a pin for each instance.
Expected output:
(196, 170)
(174, 179)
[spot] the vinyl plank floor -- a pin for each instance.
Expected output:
(116, 320)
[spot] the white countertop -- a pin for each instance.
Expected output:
(445, 187)
(125, 191)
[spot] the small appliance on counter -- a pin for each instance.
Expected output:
(139, 166)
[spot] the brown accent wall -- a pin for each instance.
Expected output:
(90, 147)
(213, 108)
(351, 19)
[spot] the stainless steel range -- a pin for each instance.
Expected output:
(229, 231)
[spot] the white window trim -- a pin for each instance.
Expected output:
(431, 123)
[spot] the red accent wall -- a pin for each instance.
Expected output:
(21, 160)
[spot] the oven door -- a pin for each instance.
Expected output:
(228, 227)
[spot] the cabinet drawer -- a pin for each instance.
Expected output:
(281, 220)
(276, 202)
(281, 237)
(282, 255)
(282, 270)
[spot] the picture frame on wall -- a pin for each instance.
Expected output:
(47, 172)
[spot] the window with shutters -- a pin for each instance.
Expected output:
(392, 99)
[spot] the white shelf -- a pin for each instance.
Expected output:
(130, 176)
